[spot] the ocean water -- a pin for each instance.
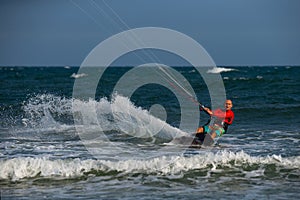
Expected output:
(45, 153)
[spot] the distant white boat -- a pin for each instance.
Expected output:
(74, 75)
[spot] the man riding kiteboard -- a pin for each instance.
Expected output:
(218, 125)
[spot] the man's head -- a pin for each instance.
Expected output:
(228, 104)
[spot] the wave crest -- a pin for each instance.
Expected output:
(216, 70)
(20, 168)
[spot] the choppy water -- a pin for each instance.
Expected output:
(43, 156)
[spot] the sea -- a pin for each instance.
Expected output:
(55, 144)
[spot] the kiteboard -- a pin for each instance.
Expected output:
(199, 141)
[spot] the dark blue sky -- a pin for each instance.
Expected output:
(233, 32)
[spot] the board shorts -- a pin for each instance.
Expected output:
(219, 130)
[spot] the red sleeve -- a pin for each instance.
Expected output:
(219, 114)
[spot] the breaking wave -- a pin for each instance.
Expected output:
(27, 167)
(217, 70)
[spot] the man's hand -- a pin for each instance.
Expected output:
(201, 107)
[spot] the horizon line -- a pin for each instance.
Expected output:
(234, 65)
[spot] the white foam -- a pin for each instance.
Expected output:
(74, 75)
(216, 70)
(45, 111)
(176, 164)
(39, 110)
(19, 168)
(139, 122)
(121, 115)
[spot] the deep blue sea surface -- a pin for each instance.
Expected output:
(112, 146)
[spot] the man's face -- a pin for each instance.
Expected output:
(228, 105)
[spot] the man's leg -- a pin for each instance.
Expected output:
(213, 135)
(200, 130)
(200, 134)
